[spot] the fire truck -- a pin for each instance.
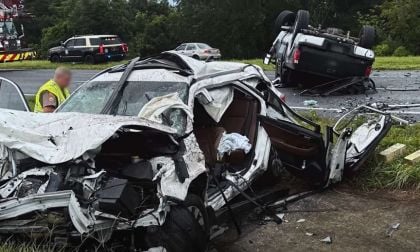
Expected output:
(11, 42)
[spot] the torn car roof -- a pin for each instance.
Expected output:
(61, 137)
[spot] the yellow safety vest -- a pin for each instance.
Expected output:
(52, 87)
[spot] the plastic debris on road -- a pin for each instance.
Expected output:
(310, 103)
(327, 240)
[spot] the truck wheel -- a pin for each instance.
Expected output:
(89, 59)
(367, 37)
(55, 58)
(302, 21)
(285, 18)
(186, 227)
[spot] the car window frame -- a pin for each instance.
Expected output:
(66, 44)
(18, 90)
(182, 45)
(193, 45)
(80, 39)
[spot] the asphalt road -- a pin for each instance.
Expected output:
(30, 81)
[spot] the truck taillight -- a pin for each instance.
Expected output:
(283, 98)
(124, 48)
(368, 71)
(296, 56)
(101, 49)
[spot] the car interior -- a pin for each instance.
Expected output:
(240, 117)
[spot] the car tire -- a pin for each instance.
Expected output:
(367, 37)
(89, 59)
(301, 22)
(285, 18)
(55, 58)
(182, 231)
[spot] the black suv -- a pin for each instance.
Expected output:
(89, 49)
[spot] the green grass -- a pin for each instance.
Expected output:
(381, 63)
(44, 64)
(397, 63)
(398, 174)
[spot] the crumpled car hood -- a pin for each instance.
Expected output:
(61, 137)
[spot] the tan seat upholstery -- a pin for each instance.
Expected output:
(240, 117)
(208, 139)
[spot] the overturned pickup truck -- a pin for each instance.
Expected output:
(142, 155)
(307, 55)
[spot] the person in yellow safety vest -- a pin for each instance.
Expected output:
(54, 92)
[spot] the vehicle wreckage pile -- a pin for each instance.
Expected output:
(165, 144)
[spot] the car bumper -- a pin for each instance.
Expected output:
(211, 56)
(110, 56)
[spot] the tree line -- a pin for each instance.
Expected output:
(240, 28)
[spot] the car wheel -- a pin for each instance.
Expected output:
(367, 37)
(285, 18)
(301, 22)
(89, 59)
(186, 227)
(196, 57)
(55, 58)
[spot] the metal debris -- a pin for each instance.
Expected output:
(327, 240)
(300, 220)
(309, 234)
(392, 228)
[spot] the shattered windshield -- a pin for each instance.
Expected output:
(92, 98)
(9, 28)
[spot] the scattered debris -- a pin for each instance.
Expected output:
(217, 231)
(414, 157)
(393, 152)
(392, 228)
(327, 240)
(309, 234)
(351, 85)
(310, 103)
(300, 220)
(280, 216)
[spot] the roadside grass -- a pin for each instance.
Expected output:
(381, 63)
(397, 63)
(398, 174)
(376, 174)
(45, 64)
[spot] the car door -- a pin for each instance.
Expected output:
(78, 51)
(302, 150)
(190, 50)
(11, 96)
(68, 50)
(181, 48)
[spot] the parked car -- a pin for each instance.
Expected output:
(142, 155)
(199, 51)
(90, 49)
(303, 53)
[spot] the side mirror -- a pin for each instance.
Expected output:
(204, 97)
(267, 59)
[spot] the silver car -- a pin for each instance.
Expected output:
(199, 51)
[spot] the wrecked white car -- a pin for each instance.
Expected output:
(143, 154)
